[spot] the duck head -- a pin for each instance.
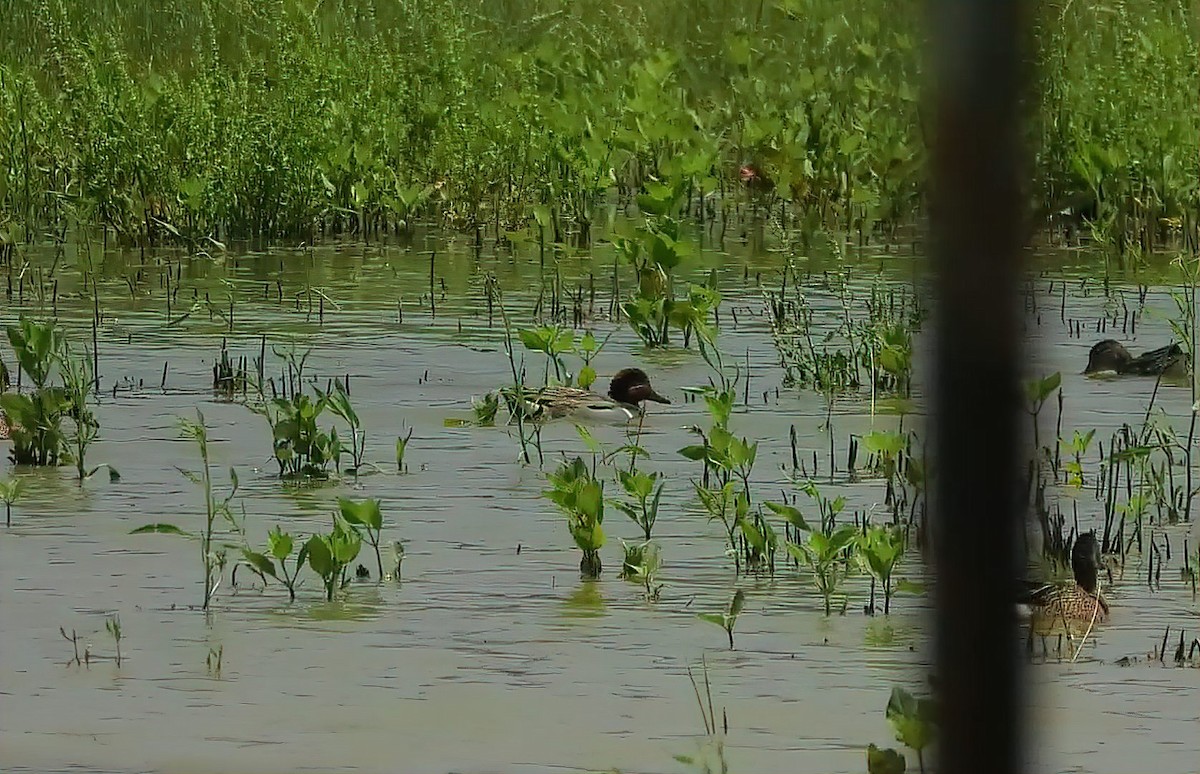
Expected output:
(1085, 561)
(631, 386)
(1107, 355)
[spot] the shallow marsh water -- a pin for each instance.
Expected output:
(492, 655)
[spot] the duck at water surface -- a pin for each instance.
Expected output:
(1073, 606)
(1110, 356)
(627, 391)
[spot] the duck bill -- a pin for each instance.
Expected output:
(654, 396)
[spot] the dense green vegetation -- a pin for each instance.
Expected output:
(174, 119)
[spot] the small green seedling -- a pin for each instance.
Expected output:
(486, 408)
(884, 761)
(580, 496)
(402, 449)
(826, 556)
(880, 548)
(640, 486)
(397, 559)
(1037, 392)
(10, 492)
(113, 625)
(338, 402)
(729, 506)
(1077, 446)
(913, 721)
(212, 555)
(728, 619)
(216, 656)
(365, 515)
(279, 549)
(641, 565)
(330, 555)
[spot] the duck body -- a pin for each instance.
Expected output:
(1110, 356)
(629, 389)
(1072, 606)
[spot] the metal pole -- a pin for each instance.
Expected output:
(976, 216)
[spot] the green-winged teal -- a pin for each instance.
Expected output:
(1073, 606)
(627, 391)
(1111, 355)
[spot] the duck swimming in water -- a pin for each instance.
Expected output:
(627, 391)
(1073, 606)
(1111, 356)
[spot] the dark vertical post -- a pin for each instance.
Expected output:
(976, 210)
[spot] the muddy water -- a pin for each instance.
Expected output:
(492, 655)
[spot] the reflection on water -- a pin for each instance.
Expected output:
(492, 655)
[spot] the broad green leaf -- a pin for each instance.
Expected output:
(259, 562)
(279, 543)
(320, 557)
(911, 718)
(884, 761)
(790, 514)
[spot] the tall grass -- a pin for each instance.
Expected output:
(186, 119)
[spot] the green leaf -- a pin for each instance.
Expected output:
(712, 618)
(884, 761)
(587, 377)
(535, 340)
(365, 512)
(738, 602)
(259, 562)
(589, 440)
(161, 529)
(279, 543)
(790, 514)
(320, 557)
(911, 718)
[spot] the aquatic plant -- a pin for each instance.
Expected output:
(337, 401)
(654, 251)
(643, 510)
(79, 386)
(1037, 392)
(214, 660)
(279, 549)
(1077, 447)
(397, 560)
(301, 448)
(529, 433)
(640, 565)
(1186, 327)
(112, 625)
(217, 511)
(879, 548)
(828, 557)
(365, 516)
(330, 554)
(913, 720)
(402, 450)
(485, 408)
(36, 417)
(11, 490)
(580, 496)
(706, 763)
(728, 619)
(557, 112)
